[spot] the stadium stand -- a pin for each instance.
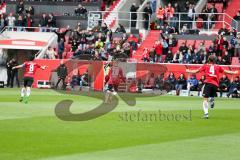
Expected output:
(170, 41)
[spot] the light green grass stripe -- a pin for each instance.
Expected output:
(224, 147)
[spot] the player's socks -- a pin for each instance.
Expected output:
(205, 107)
(211, 101)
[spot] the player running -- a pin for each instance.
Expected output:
(212, 73)
(115, 75)
(30, 70)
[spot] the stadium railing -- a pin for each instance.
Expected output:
(116, 17)
(181, 19)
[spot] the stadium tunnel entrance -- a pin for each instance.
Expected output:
(19, 55)
(20, 45)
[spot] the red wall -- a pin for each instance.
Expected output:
(96, 70)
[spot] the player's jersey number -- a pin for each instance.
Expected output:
(31, 68)
(212, 70)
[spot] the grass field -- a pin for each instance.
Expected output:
(32, 131)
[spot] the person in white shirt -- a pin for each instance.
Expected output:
(11, 21)
(50, 53)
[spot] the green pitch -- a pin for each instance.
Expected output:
(33, 132)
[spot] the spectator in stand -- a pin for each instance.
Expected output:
(202, 47)
(99, 44)
(152, 54)
(20, 7)
(30, 10)
(169, 12)
(192, 84)
(204, 16)
(50, 53)
(183, 48)
(158, 50)
(184, 29)
(225, 44)
(211, 48)
(219, 61)
(11, 21)
(161, 15)
(171, 81)
(237, 46)
(181, 84)
(61, 33)
(145, 55)
(226, 59)
(213, 16)
(75, 79)
(153, 5)
(2, 21)
(232, 32)
(219, 45)
(187, 57)
(159, 81)
(61, 48)
(150, 84)
(81, 11)
(177, 8)
(29, 21)
(225, 4)
(127, 48)
(224, 84)
(20, 23)
(85, 80)
(90, 39)
(187, 6)
(133, 11)
(223, 31)
(237, 16)
(172, 41)
(43, 22)
(165, 46)
(178, 57)
(234, 88)
(51, 21)
(191, 12)
(82, 40)
(147, 15)
(103, 54)
(120, 29)
(74, 44)
(103, 6)
(200, 85)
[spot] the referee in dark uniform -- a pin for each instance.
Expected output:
(9, 72)
(62, 74)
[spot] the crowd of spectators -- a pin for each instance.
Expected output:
(192, 53)
(171, 82)
(25, 17)
(95, 44)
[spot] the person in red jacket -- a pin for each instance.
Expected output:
(146, 55)
(219, 45)
(161, 15)
(211, 83)
(159, 51)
